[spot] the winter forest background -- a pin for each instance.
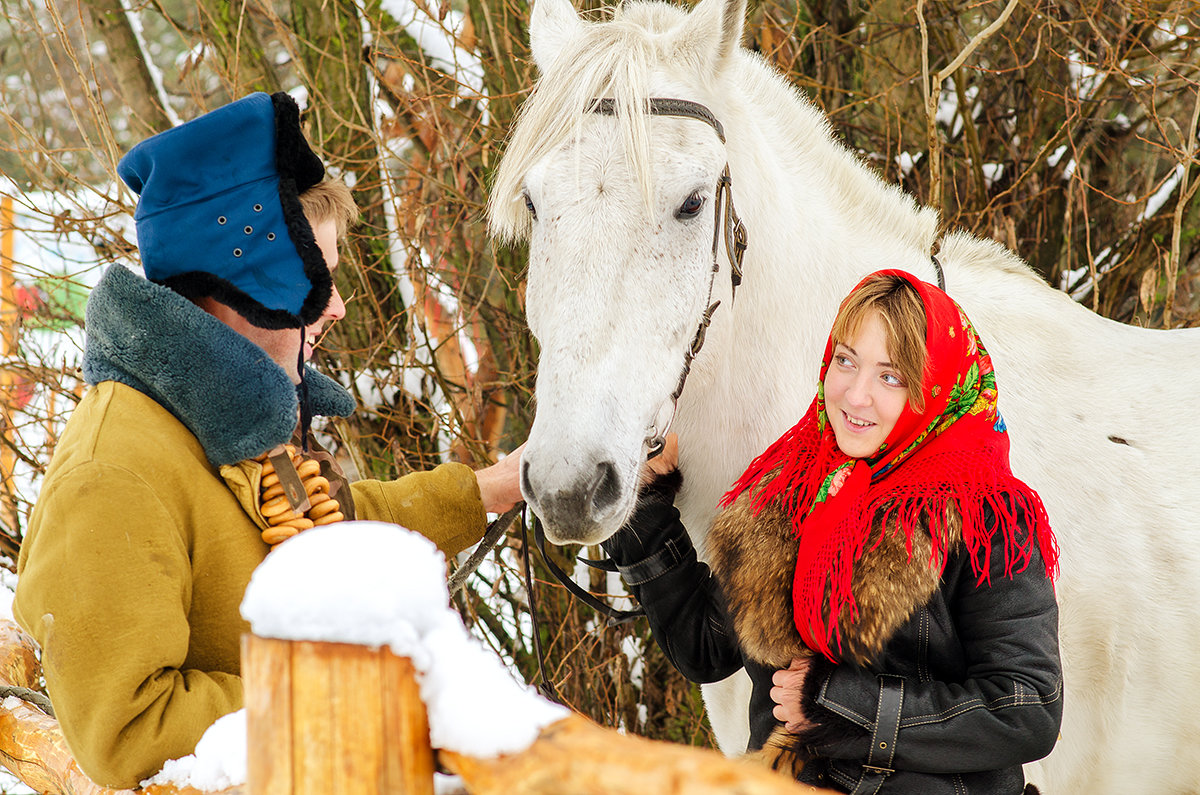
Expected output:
(1068, 132)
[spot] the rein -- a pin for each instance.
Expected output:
(725, 219)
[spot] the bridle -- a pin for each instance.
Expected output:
(726, 222)
(725, 219)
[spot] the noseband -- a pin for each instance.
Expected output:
(725, 219)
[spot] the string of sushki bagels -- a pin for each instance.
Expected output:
(282, 519)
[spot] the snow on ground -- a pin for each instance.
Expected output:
(11, 785)
(8, 588)
(218, 762)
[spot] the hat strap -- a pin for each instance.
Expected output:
(305, 407)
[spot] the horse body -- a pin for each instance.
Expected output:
(620, 277)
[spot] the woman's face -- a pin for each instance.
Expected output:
(864, 393)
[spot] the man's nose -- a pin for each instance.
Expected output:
(336, 309)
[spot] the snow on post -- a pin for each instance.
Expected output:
(337, 615)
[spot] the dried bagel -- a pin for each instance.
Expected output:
(276, 508)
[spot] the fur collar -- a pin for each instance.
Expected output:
(754, 559)
(224, 388)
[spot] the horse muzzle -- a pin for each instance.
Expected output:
(584, 507)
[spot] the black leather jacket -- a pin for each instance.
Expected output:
(964, 694)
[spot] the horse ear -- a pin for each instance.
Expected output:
(714, 29)
(552, 24)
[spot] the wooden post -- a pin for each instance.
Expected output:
(333, 719)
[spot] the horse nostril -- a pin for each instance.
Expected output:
(526, 486)
(606, 488)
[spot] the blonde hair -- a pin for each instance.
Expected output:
(330, 200)
(899, 307)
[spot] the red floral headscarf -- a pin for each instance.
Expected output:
(956, 450)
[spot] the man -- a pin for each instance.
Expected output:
(150, 520)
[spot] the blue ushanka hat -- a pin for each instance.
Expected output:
(219, 211)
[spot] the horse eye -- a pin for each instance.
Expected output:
(690, 207)
(529, 206)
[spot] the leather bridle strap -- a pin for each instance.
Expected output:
(666, 106)
(614, 615)
(725, 220)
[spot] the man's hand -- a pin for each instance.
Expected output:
(789, 685)
(500, 483)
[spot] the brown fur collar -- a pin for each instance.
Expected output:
(754, 559)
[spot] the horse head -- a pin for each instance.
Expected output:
(577, 171)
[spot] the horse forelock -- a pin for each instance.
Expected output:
(612, 59)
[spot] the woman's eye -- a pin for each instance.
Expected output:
(891, 379)
(529, 205)
(691, 207)
(841, 361)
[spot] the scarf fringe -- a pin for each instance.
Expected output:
(828, 581)
(782, 472)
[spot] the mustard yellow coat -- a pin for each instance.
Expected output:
(134, 566)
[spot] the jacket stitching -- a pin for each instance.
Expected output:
(841, 709)
(841, 778)
(1015, 700)
(891, 756)
(652, 567)
(1003, 703)
(923, 647)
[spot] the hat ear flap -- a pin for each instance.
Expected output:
(294, 158)
(299, 169)
(219, 211)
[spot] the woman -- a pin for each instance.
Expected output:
(880, 573)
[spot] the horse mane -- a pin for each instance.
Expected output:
(859, 190)
(609, 60)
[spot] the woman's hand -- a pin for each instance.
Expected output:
(786, 693)
(664, 463)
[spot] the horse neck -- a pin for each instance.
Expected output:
(818, 220)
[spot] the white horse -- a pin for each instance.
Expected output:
(1103, 417)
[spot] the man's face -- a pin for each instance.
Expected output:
(283, 345)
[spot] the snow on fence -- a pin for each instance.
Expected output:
(356, 670)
